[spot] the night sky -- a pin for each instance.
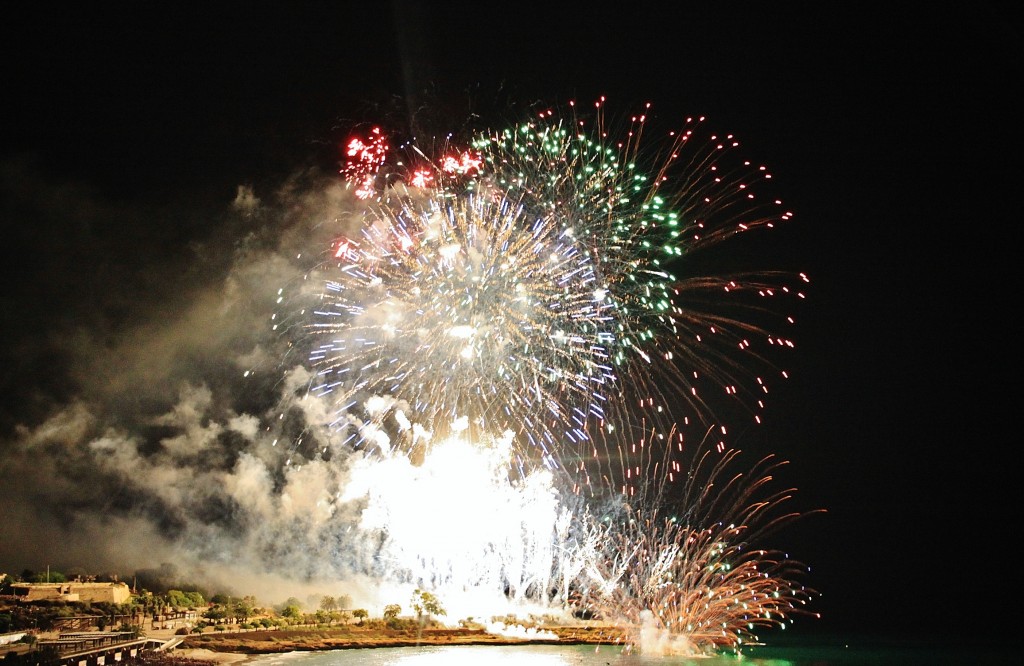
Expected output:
(891, 133)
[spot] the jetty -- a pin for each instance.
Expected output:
(96, 648)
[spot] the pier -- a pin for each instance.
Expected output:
(93, 648)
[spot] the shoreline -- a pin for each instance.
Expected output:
(241, 647)
(193, 655)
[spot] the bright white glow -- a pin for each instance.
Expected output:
(449, 251)
(462, 332)
(470, 655)
(459, 523)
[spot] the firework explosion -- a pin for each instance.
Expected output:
(697, 581)
(537, 281)
(545, 281)
(503, 536)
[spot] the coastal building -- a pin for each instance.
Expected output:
(117, 593)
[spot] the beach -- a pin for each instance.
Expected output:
(225, 648)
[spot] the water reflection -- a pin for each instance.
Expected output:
(821, 654)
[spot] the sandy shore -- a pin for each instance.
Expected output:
(238, 647)
(211, 656)
(190, 657)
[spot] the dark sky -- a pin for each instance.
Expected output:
(892, 132)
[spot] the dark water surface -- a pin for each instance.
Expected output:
(813, 653)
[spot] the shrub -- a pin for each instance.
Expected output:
(400, 623)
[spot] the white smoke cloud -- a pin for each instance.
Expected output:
(169, 442)
(189, 438)
(246, 201)
(658, 641)
(519, 631)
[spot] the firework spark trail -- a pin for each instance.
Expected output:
(544, 281)
(445, 312)
(549, 281)
(698, 582)
(501, 537)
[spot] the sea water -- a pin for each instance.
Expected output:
(823, 654)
